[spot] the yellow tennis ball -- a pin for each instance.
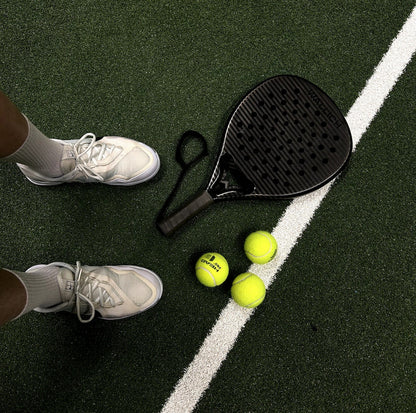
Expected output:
(248, 290)
(260, 247)
(211, 269)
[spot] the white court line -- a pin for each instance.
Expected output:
(197, 377)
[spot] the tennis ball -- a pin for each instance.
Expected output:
(248, 290)
(211, 269)
(260, 247)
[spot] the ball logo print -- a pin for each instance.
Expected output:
(211, 269)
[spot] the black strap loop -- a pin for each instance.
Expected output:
(183, 141)
(186, 166)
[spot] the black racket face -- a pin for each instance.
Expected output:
(286, 138)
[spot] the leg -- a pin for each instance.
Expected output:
(13, 127)
(13, 296)
(22, 142)
(21, 292)
(112, 160)
(113, 291)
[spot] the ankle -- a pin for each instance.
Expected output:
(38, 152)
(13, 296)
(42, 288)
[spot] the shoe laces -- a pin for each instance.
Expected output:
(88, 152)
(90, 292)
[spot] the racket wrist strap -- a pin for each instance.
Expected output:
(175, 220)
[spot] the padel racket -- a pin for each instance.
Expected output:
(286, 138)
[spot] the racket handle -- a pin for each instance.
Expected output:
(178, 218)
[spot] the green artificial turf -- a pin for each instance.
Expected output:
(336, 331)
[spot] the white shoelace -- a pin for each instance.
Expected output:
(95, 151)
(87, 291)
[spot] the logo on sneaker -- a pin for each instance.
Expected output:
(69, 286)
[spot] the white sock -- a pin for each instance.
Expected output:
(42, 288)
(39, 152)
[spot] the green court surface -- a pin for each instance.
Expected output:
(337, 330)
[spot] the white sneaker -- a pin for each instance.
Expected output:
(115, 292)
(111, 160)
